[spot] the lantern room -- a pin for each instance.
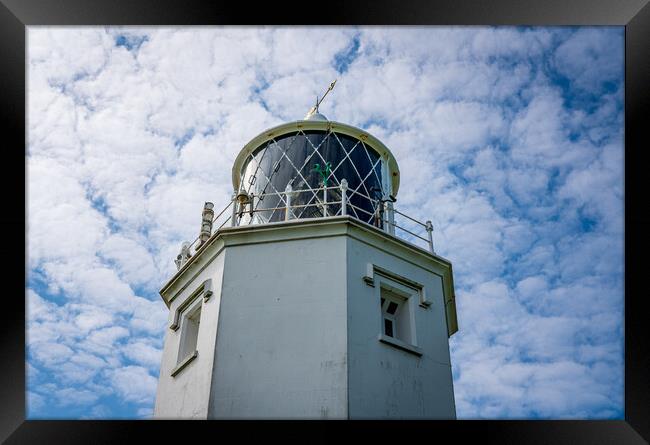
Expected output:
(299, 170)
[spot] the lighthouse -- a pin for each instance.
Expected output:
(309, 295)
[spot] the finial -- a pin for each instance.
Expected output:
(314, 109)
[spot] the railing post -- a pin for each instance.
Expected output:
(287, 191)
(390, 218)
(324, 200)
(430, 234)
(376, 214)
(233, 219)
(344, 197)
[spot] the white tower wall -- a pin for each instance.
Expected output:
(281, 345)
(385, 381)
(186, 394)
(295, 330)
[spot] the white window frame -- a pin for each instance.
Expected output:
(369, 279)
(187, 311)
(407, 298)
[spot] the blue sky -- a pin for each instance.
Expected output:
(509, 139)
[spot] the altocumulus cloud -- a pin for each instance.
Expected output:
(509, 139)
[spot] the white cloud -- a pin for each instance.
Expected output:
(143, 353)
(62, 222)
(134, 383)
(125, 146)
(80, 371)
(591, 57)
(65, 55)
(102, 341)
(99, 412)
(50, 354)
(149, 316)
(35, 402)
(134, 262)
(92, 317)
(75, 396)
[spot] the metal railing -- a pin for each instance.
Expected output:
(383, 217)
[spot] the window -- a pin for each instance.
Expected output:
(187, 318)
(396, 321)
(398, 303)
(190, 319)
(189, 332)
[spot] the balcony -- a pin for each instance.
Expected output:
(308, 203)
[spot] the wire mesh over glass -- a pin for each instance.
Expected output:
(316, 160)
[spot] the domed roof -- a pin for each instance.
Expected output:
(316, 116)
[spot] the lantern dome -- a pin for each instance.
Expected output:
(311, 158)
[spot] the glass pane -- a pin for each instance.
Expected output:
(388, 327)
(300, 159)
(392, 307)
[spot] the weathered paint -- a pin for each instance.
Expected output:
(385, 381)
(186, 395)
(281, 345)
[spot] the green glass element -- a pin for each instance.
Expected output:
(324, 172)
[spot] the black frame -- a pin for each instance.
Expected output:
(15, 15)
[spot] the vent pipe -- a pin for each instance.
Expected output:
(206, 223)
(184, 256)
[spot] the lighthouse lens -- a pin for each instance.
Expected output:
(309, 161)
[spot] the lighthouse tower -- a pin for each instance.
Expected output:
(310, 296)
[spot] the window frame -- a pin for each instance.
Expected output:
(191, 316)
(392, 289)
(182, 317)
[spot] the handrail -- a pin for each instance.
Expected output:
(382, 213)
(267, 209)
(363, 210)
(411, 233)
(406, 216)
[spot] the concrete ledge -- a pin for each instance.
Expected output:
(300, 229)
(400, 344)
(184, 363)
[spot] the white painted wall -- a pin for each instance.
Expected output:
(384, 381)
(186, 395)
(293, 331)
(281, 346)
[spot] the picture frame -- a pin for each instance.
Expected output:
(17, 15)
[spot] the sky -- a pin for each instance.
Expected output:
(510, 140)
